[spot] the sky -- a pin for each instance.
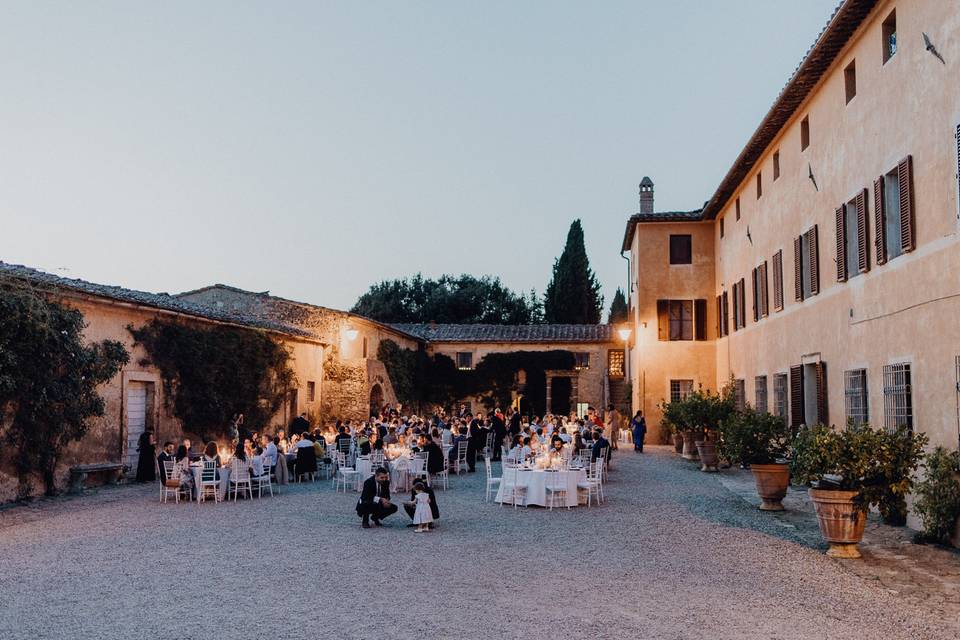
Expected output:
(314, 148)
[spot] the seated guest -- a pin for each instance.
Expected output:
(457, 439)
(166, 455)
(240, 452)
(342, 440)
(434, 454)
(211, 454)
(270, 450)
(391, 437)
(599, 444)
(527, 451)
(182, 470)
(516, 451)
(363, 443)
(374, 503)
(258, 462)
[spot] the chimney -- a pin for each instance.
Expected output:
(646, 195)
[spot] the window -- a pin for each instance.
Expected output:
(776, 165)
(681, 250)
(780, 395)
(760, 387)
(806, 257)
(311, 391)
(740, 394)
(852, 252)
(725, 314)
(889, 36)
(615, 363)
(682, 319)
(364, 346)
(739, 305)
(897, 398)
(850, 80)
(721, 227)
(759, 184)
(855, 395)
(464, 360)
(893, 211)
(737, 204)
(582, 360)
(804, 133)
(680, 389)
(761, 305)
(778, 281)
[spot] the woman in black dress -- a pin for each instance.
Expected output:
(146, 464)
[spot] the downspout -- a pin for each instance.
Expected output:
(626, 346)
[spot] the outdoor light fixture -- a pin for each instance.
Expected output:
(351, 334)
(624, 333)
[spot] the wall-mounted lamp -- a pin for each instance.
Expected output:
(624, 333)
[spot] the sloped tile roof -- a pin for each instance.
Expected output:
(161, 301)
(658, 216)
(529, 333)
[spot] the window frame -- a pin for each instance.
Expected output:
(459, 360)
(898, 396)
(581, 360)
(679, 389)
(888, 37)
(855, 396)
(781, 392)
(760, 394)
(678, 249)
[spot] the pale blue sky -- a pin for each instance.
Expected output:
(313, 148)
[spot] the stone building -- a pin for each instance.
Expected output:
(597, 378)
(821, 274)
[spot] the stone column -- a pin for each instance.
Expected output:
(549, 405)
(574, 391)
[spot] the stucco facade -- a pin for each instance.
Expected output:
(863, 331)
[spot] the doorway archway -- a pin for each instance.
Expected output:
(376, 399)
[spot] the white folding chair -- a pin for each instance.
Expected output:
(171, 482)
(209, 481)
(592, 486)
(461, 464)
(240, 478)
(510, 488)
(556, 489)
(492, 483)
(264, 481)
(345, 476)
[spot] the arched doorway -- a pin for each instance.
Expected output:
(376, 400)
(560, 396)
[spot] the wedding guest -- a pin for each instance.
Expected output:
(270, 450)
(147, 447)
(166, 455)
(411, 506)
(183, 468)
(374, 503)
(300, 424)
(639, 428)
(423, 513)
(212, 454)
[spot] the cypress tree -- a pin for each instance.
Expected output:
(573, 295)
(618, 308)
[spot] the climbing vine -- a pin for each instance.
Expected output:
(213, 373)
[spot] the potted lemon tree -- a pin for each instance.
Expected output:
(762, 441)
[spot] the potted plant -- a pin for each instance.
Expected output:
(760, 440)
(706, 413)
(849, 471)
(672, 418)
(900, 458)
(938, 496)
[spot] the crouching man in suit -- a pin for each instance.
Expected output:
(374, 503)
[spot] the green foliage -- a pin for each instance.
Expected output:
(420, 380)
(214, 373)
(877, 464)
(751, 437)
(573, 295)
(618, 308)
(938, 495)
(48, 379)
(450, 299)
(701, 412)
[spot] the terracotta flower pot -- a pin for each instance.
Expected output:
(772, 481)
(708, 455)
(689, 448)
(841, 522)
(678, 442)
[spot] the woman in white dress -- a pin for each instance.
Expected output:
(422, 515)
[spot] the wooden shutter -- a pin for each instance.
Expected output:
(797, 270)
(841, 245)
(879, 231)
(699, 319)
(719, 325)
(743, 303)
(764, 291)
(813, 248)
(736, 307)
(863, 247)
(796, 395)
(822, 416)
(663, 319)
(756, 294)
(726, 314)
(905, 178)
(778, 280)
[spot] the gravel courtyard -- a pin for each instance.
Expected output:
(673, 554)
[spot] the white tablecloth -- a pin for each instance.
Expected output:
(399, 476)
(535, 481)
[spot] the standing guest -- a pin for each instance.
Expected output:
(300, 424)
(612, 426)
(411, 506)
(147, 447)
(499, 428)
(422, 515)
(374, 503)
(166, 455)
(639, 427)
(514, 418)
(474, 444)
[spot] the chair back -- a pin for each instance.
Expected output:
(376, 459)
(209, 473)
(462, 452)
(306, 460)
(488, 465)
(239, 469)
(418, 466)
(343, 445)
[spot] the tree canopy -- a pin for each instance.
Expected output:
(573, 295)
(618, 308)
(463, 299)
(48, 380)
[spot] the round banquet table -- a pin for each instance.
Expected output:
(535, 482)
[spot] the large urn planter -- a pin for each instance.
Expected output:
(678, 442)
(689, 446)
(841, 521)
(708, 455)
(772, 481)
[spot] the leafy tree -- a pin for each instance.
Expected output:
(214, 373)
(463, 299)
(48, 380)
(573, 295)
(618, 308)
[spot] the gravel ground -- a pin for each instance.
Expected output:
(672, 554)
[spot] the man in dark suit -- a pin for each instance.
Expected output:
(374, 503)
(515, 427)
(434, 454)
(476, 443)
(600, 444)
(165, 456)
(300, 424)
(411, 506)
(499, 428)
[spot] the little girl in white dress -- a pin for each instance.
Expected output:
(422, 516)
